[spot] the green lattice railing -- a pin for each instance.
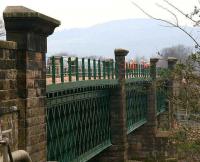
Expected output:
(78, 110)
(78, 125)
(70, 69)
(136, 106)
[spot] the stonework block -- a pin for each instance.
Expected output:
(36, 102)
(36, 148)
(39, 156)
(7, 64)
(34, 130)
(37, 120)
(35, 111)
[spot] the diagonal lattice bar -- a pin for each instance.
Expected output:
(78, 125)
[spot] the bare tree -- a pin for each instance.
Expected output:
(180, 52)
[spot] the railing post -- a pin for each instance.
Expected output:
(89, 70)
(83, 69)
(53, 65)
(118, 111)
(104, 70)
(30, 29)
(99, 69)
(112, 68)
(94, 69)
(137, 70)
(108, 68)
(69, 69)
(77, 69)
(171, 65)
(61, 70)
(126, 70)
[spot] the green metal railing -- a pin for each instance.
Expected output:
(137, 71)
(78, 124)
(70, 69)
(136, 106)
(78, 111)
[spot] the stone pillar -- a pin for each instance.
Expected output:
(172, 63)
(142, 141)
(152, 112)
(171, 90)
(30, 30)
(150, 128)
(118, 111)
(117, 152)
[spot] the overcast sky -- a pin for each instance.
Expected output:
(84, 13)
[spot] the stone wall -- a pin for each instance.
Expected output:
(8, 90)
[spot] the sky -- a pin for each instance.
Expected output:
(85, 13)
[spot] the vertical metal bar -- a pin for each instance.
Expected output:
(94, 69)
(104, 70)
(108, 69)
(139, 72)
(77, 71)
(129, 67)
(83, 69)
(89, 70)
(116, 71)
(145, 71)
(134, 71)
(99, 69)
(148, 71)
(61, 70)
(132, 67)
(69, 69)
(142, 70)
(112, 69)
(126, 70)
(53, 69)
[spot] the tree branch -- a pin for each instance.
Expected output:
(177, 9)
(164, 8)
(168, 22)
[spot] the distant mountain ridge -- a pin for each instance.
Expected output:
(142, 37)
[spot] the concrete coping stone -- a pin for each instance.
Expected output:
(21, 11)
(154, 60)
(121, 52)
(172, 59)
